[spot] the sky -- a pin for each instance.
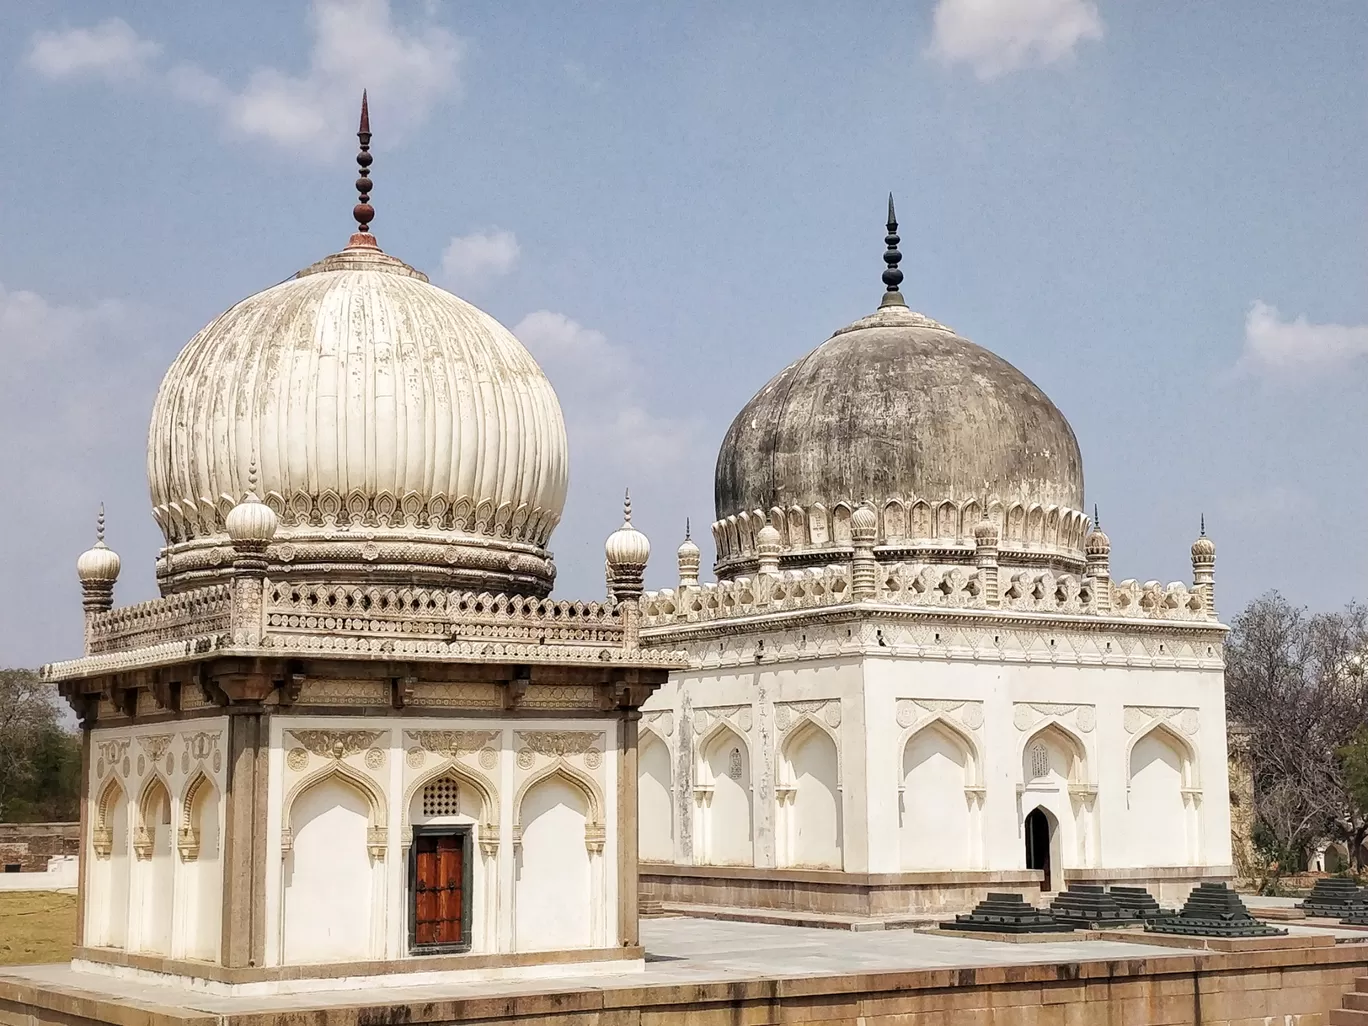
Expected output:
(1156, 211)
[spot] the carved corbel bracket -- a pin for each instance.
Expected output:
(594, 838)
(376, 842)
(286, 841)
(489, 840)
(102, 840)
(142, 844)
(188, 844)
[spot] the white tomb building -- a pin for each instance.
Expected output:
(915, 679)
(353, 738)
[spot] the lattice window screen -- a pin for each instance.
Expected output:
(442, 798)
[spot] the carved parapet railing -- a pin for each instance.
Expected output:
(436, 614)
(200, 612)
(919, 585)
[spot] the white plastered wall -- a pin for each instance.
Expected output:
(146, 885)
(1091, 713)
(552, 782)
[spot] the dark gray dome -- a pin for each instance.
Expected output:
(899, 412)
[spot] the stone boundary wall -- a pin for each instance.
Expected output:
(1287, 986)
(30, 845)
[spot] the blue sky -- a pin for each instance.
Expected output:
(1157, 211)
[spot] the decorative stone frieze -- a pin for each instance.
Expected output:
(739, 716)
(452, 744)
(1186, 720)
(336, 744)
(789, 714)
(1027, 715)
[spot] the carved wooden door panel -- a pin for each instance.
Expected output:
(439, 896)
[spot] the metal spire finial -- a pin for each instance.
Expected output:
(1203, 522)
(687, 536)
(363, 211)
(1097, 521)
(892, 277)
(99, 526)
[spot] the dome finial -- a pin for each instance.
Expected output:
(627, 506)
(363, 211)
(1097, 521)
(892, 277)
(688, 536)
(99, 526)
(1203, 525)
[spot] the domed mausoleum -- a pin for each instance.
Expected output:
(400, 435)
(915, 680)
(899, 413)
(353, 738)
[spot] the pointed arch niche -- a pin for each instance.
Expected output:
(198, 841)
(1056, 775)
(1163, 798)
(153, 884)
(107, 896)
(723, 830)
(940, 798)
(332, 865)
(655, 798)
(559, 838)
(808, 792)
(453, 793)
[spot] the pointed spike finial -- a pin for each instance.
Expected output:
(627, 507)
(363, 211)
(1097, 521)
(892, 277)
(1203, 523)
(687, 535)
(100, 526)
(252, 479)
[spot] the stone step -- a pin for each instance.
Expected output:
(1356, 1000)
(1346, 1017)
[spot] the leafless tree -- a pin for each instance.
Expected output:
(1296, 681)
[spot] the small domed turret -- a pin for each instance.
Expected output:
(627, 551)
(689, 558)
(251, 524)
(98, 565)
(768, 544)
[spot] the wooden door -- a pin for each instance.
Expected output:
(439, 898)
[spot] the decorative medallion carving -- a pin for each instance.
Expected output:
(452, 744)
(112, 753)
(828, 710)
(336, 744)
(489, 758)
(202, 745)
(297, 759)
(375, 758)
(1186, 720)
(662, 722)
(415, 758)
(155, 745)
(561, 743)
(1025, 715)
(968, 714)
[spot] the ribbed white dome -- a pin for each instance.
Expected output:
(399, 433)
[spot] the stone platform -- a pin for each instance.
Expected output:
(704, 972)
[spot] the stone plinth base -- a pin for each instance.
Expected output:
(1050, 985)
(830, 892)
(431, 970)
(1170, 885)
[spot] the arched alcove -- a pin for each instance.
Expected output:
(554, 892)
(725, 799)
(1158, 772)
(810, 798)
(328, 871)
(655, 799)
(108, 891)
(202, 858)
(153, 844)
(1056, 775)
(937, 767)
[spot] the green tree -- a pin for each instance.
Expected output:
(40, 762)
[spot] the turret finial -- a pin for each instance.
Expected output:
(687, 535)
(627, 506)
(1097, 521)
(892, 277)
(1203, 523)
(363, 211)
(99, 526)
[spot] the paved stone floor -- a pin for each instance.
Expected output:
(678, 951)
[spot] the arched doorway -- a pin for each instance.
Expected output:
(1039, 838)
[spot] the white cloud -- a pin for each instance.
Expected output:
(471, 261)
(998, 36)
(110, 50)
(1276, 346)
(355, 44)
(599, 386)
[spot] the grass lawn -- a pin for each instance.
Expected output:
(36, 926)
